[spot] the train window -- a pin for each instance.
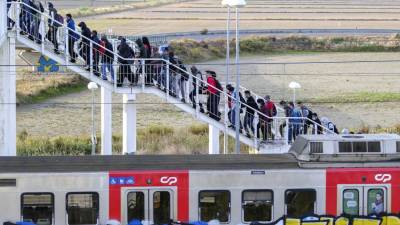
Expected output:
(136, 206)
(375, 201)
(214, 205)
(82, 208)
(37, 208)
(161, 207)
(359, 147)
(374, 146)
(257, 205)
(300, 202)
(351, 202)
(398, 146)
(345, 147)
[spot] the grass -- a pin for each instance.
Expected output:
(37, 88)
(155, 139)
(195, 51)
(362, 97)
(91, 11)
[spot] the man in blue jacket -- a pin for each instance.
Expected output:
(295, 122)
(73, 36)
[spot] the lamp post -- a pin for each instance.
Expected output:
(92, 86)
(294, 85)
(228, 32)
(237, 4)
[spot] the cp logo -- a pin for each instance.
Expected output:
(168, 180)
(383, 177)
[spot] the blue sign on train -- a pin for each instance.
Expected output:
(122, 180)
(47, 65)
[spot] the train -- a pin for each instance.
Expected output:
(321, 174)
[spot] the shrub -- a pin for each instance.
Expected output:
(204, 31)
(198, 129)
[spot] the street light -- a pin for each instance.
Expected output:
(92, 86)
(237, 4)
(224, 3)
(294, 85)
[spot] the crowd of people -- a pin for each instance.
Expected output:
(98, 56)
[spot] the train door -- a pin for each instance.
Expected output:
(364, 199)
(155, 205)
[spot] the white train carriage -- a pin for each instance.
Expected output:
(231, 188)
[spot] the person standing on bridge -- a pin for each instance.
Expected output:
(251, 106)
(197, 79)
(72, 37)
(85, 44)
(214, 89)
(107, 58)
(127, 54)
(269, 110)
(147, 55)
(53, 27)
(96, 53)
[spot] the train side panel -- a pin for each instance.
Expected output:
(236, 182)
(384, 181)
(58, 184)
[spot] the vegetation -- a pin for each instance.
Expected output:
(195, 51)
(91, 11)
(37, 88)
(366, 97)
(155, 139)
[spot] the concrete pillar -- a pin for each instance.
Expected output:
(3, 20)
(8, 120)
(213, 139)
(129, 124)
(106, 121)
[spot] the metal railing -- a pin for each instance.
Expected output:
(165, 73)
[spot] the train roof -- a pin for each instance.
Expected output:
(144, 162)
(347, 148)
(65, 164)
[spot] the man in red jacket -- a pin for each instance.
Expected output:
(269, 110)
(214, 90)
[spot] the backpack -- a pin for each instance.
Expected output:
(59, 20)
(335, 130)
(218, 85)
(102, 49)
(274, 111)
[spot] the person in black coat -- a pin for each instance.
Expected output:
(85, 44)
(107, 58)
(196, 73)
(251, 106)
(125, 52)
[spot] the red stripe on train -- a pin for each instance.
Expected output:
(361, 176)
(147, 179)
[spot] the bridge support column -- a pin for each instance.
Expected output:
(213, 139)
(8, 128)
(129, 124)
(106, 121)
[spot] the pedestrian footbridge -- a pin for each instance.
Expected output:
(132, 76)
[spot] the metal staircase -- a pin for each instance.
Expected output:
(157, 76)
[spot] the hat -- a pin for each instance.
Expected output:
(267, 97)
(212, 73)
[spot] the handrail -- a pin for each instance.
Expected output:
(167, 62)
(69, 30)
(244, 104)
